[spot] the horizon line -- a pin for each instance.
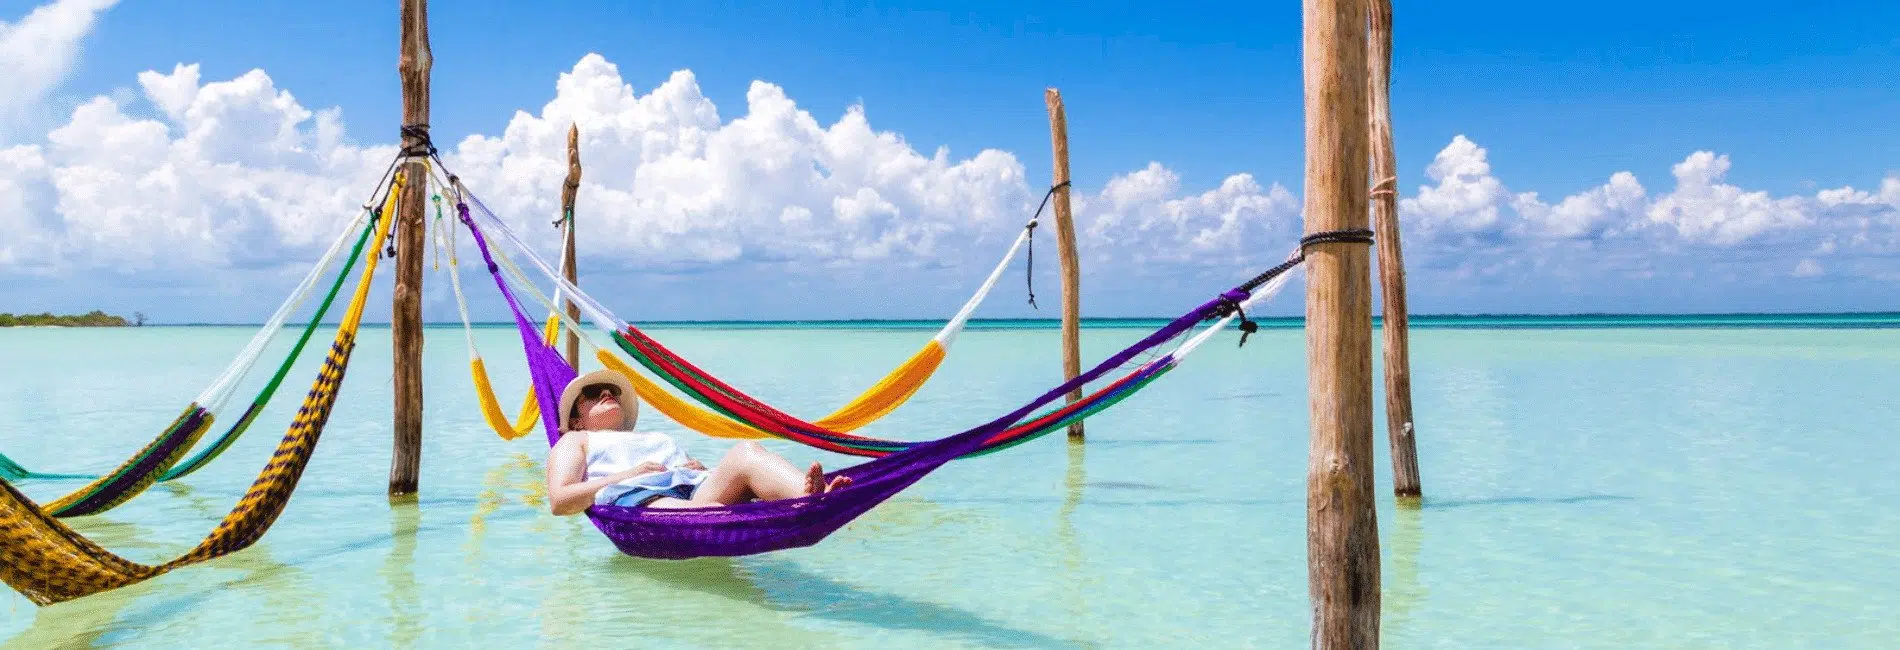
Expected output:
(1133, 319)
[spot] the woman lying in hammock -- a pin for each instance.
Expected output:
(601, 459)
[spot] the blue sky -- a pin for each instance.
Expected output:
(1556, 98)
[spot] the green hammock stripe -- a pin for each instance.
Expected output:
(12, 471)
(651, 365)
(118, 476)
(705, 379)
(206, 455)
(217, 447)
(1074, 417)
(654, 368)
(1080, 415)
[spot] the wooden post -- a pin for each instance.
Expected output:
(405, 323)
(568, 191)
(1385, 222)
(1065, 251)
(1342, 534)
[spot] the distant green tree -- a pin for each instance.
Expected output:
(94, 318)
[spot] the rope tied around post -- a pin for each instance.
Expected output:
(1389, 186)
(1229, 302)
(1029, 266)
(416, 143)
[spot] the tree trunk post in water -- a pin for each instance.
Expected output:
(1342, 534)
(405, 322)
(1065, 251)
(1385, 223)
(572, 269)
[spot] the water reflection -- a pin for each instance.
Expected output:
(82, 623)
(1402, 592)
(797, 590)
(399, 575)
(517, 474)
(115, 616)
(1074, 577)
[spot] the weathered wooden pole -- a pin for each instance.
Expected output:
(1342, 534)
(1065, 251)
(568, 191)
(405, 321)
(1385, 223)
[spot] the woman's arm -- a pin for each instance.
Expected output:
(568, 493)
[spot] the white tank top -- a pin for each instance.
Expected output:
(610, 451)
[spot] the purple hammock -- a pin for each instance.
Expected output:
(765, 526)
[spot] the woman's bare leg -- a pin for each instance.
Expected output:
(749, 471)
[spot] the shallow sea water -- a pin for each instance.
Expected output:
(1654, 487)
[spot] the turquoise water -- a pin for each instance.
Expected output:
(1655, 483)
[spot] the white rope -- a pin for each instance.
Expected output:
(607, 320)
(597, 310)
(521, 279)
(455, 281)
(566, 261)
(949, 333)
(1272, 287)
(221, 389)
(602, 317)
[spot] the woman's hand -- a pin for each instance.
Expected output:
(693, 463)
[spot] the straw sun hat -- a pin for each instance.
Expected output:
(629, 403)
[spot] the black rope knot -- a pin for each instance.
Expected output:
(1229, 303)
(1030, 269)
(1029, 272)
(416, 143)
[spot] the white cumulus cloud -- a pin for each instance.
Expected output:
(225, 178)
(1466, 198)
(37, 52)
(239, 175)
(667, 182)
(1704, 209)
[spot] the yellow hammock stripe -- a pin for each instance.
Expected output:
(144, 482)
(530, 414)
(876, 402)
(889, 392)
(48, 562)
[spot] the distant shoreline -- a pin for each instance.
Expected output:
(1850, 320)
(94, 318)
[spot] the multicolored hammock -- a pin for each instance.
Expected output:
(49, 562)
(158, 461)
(875, 402)
(731, 407)
(764, 526)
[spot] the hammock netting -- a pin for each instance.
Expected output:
(48, 562)
(765, 526)
(160, 461)
(880, 399)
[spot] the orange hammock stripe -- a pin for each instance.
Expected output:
(876, 402)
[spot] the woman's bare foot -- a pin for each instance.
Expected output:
(815, 481)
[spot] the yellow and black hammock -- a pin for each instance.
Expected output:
(49, 562)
